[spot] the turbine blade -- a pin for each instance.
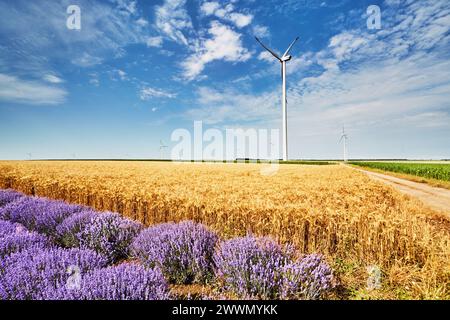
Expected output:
(290, 47)
(271, 52)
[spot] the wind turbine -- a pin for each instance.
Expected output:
(29, 155)
(344, 137)
(284, 58)
(161, 149)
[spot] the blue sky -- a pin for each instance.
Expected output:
(137, 70)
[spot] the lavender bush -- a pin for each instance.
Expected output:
(18, 241)
(106, 233)
(8, 196)
(38, 214)
(7, 228)
(261, 268)
(68, 233)
(307, 278)
(39, 274)
(122, 282)
(183, 251)
(252, 267)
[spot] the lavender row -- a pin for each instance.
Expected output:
(71, 226)
(182, 253)
(33, 268)
(53, 250)
(249, 267)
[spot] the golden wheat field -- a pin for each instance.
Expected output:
(334, 210)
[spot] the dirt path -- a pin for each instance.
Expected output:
(436, 198)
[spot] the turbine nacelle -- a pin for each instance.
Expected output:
(285, 57)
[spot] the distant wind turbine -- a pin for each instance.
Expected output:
(344, 137)
(284, 58)
(29, 155)
(162, 146)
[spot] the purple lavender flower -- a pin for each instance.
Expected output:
(69, 232)
(183, 251)
(252, 267)
(307, 278)
(38, 214)
(8, 196)
(39, 274)
(122, 282)
(18, 241)
(7, 228)
(109, 234)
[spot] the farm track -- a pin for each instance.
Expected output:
(435, 198)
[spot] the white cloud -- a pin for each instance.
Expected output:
(245, 80)
(147, 93)
(411, 28)
(94, 81)
(142, 22)
(166, 53)
(172, 19)
(126, 7)
(344, 44)
(227, 13)
(31, 92)
(154, 42)
(261, 31)
(266, 56)
(52, 78)
(43, 36)
(372, 95)
(86, 60)
(432, 119)
(122, 74)
(224, 44)
(232, 106)
(240, 20)
(208, 8)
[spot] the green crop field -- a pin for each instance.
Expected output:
(438, 171)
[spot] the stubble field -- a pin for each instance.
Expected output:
(355, 222)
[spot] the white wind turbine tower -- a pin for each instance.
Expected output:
(344, 137)
(284, 58)
(161, 149)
